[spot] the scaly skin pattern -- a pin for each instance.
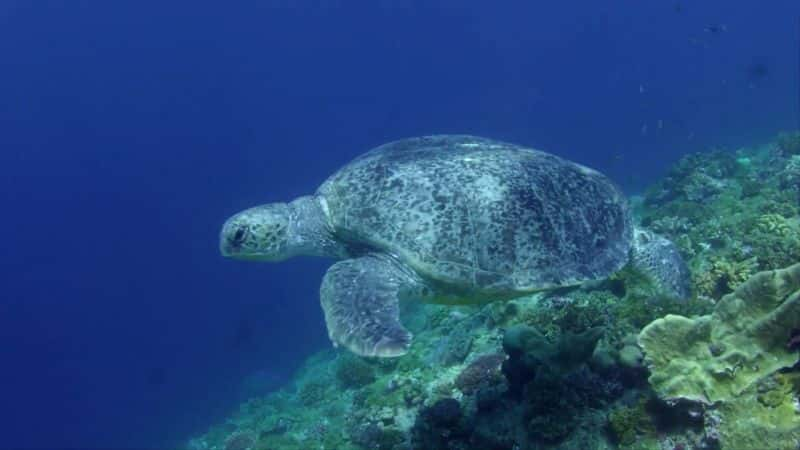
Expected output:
(480, 218)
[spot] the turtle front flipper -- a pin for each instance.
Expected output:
(360, 299)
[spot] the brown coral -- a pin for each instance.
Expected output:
(483, 371)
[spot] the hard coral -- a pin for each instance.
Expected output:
(439, 425)
(774, 224)
(626, 422)
(530, 352)
(483, 371)
(723, 276)
(696, 176)
(456, 345)
(311, 393)
(790, 175)
(354, 372)
(748, 327)
(376, 437)
(725, 359)
(789, 143)
(552, 409)
(240, 440)
(446, 412)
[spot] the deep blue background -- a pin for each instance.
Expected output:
(129, 130)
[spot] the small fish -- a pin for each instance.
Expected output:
(641, 89)
(660, 124)
(644, 129)
(757, 72)
(716, 29)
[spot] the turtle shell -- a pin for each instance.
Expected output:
(481, 215)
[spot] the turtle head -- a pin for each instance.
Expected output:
(277, 231)
(260, 234)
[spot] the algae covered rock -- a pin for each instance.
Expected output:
(716, 357)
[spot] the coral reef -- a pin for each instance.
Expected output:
(732, 360)
(311, 392)
(789, 143)
(240, 441)
(569, 369)
(531, 354)
(353, 372)
(484, 371)
(716, 357)
(628, 422)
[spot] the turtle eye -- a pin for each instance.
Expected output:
(238, 236)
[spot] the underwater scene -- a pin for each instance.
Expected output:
(400, 225)
(652, 357)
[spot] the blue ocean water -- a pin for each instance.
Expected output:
(130, 130)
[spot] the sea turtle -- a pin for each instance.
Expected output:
(449, 219)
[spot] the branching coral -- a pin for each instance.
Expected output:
(723, 276)
(774, 240)
(774, 224)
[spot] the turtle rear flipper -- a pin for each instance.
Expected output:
(659, 258)
(360, 299)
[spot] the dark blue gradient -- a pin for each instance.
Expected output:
(129, 130)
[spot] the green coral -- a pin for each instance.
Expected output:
(789, 143)
(552, 426)
(353, 372)
(763, 420)
(773, 224)
(774, 390)
(715, 357)
(727, 358)
(695, 179)
(557, 314)
(722, 276)
(535, 351)
(774, 240)
(553, 410)
(627, 422)
(311, 392)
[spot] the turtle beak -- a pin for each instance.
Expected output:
(230, 238)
